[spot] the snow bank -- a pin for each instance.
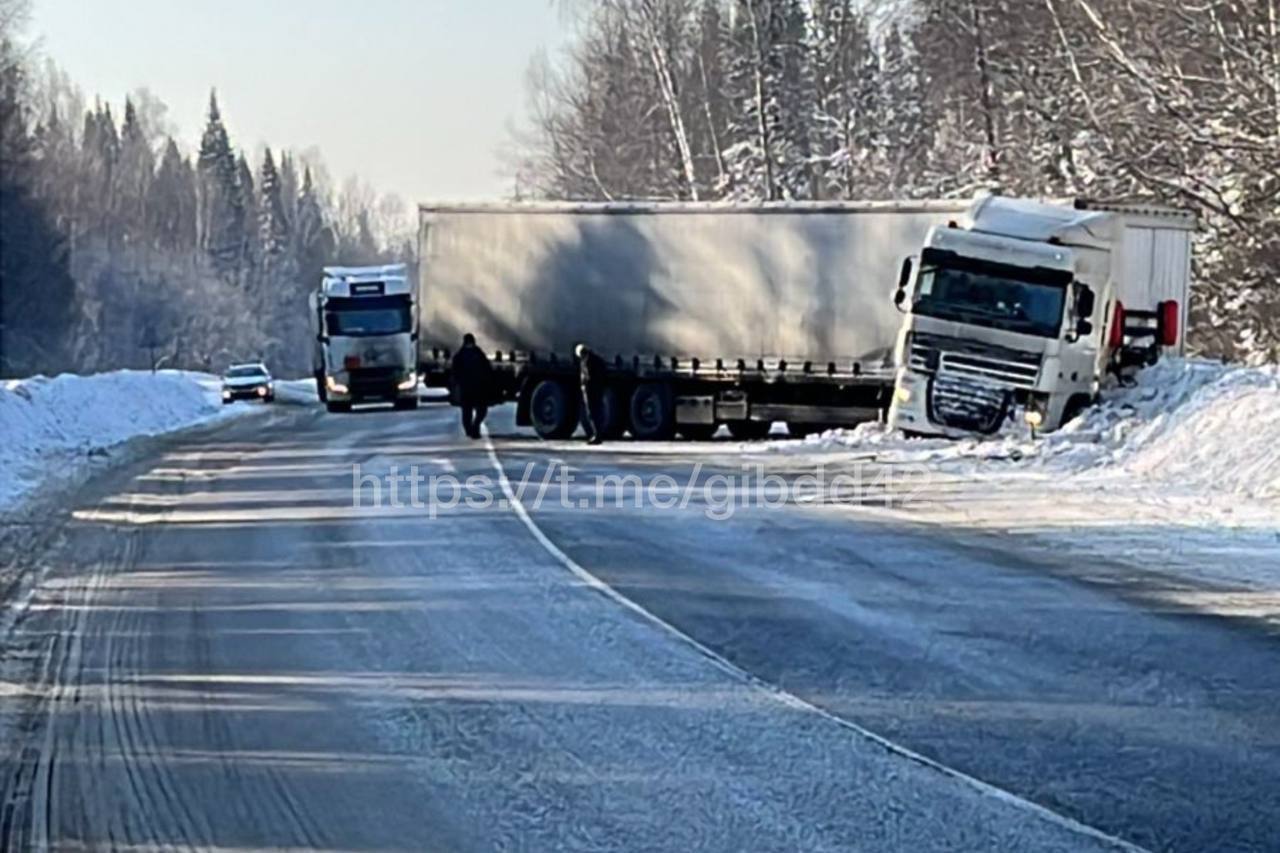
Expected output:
(52, 428)
(1188, 425)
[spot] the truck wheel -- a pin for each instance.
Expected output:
(553, 410)
(749, 430)
(653, 412)
(804, 430)
(613, 415)
(698, 432)
(336, 407)
(1075, 408)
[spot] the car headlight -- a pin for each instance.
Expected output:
(902, 394)
(409, 384)
(1034, 419)
(262, 390)
(226, 392)
(334, 386)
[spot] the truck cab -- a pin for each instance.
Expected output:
(365, 321)
(1022, 312)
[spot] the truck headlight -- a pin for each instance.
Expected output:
(262, 390)
(902, 394)
(1034, 419)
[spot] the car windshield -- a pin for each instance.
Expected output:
(367, 317)
(997, 298)
(246, 372)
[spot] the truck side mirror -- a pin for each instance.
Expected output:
(1084, 302)
(904, 279)
(1084, 311)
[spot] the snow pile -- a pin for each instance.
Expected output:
(296, 391)
(1197, 425)
(1187, 424)
(52, 428)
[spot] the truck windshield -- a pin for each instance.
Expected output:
(356, 318)
(997, 297)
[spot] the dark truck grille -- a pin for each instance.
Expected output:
(373, 381)
(973, 386)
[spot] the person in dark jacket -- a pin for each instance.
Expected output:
(473, 384)
(591, 376)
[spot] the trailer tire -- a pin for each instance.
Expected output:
(613, 417)
(653, 412)
(337, 408)
(698, 432)
(799, 430)
(749, 430)
(553, 410)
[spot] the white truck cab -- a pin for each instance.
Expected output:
(365, 321)
(1023, 309)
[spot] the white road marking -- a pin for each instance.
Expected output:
(781, 695)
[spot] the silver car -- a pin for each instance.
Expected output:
(248, 382)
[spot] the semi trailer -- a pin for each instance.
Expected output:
(1024, 311)
(706, 314)
(365, 326)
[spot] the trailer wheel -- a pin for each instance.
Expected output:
(749, 430)
(801, 430)
(553, 410)
(613, 415)
(653, 412)
(698, 432)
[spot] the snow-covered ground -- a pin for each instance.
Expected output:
(1179, 474)
(56, 429)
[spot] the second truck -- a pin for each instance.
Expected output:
(365, 326)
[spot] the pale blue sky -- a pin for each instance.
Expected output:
(413, 95)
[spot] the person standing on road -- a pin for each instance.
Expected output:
(591, 375)
(472, 384)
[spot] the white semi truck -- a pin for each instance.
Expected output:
(1023, 311)
(744, 315)
(365, 323)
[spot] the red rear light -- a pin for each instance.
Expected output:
(1116, 339)
(351, 362)
(1168, 323)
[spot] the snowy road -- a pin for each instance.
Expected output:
(218, 652)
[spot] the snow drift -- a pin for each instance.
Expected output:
(53, 427)
(1187, 425)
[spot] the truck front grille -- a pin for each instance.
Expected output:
(934, 354)
(968, 404)
(373, 379)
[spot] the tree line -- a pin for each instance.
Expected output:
(119, 249)
(1176, 101)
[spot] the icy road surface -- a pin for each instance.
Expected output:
(211, 649)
